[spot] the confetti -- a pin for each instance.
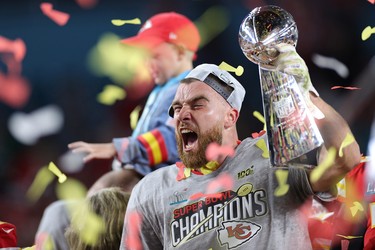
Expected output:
(187, 172)
(342, 87)
(282, 178)
(262, 145)
(132, 239)
(183, 172)
(260, 117)
(349, 237)
(121, 63)
(349, 139)
(14, 90)
(331, 63)
(28, 128)
(120, 22)
(44, 241)
(200, 195)
(87, 4)
(357, 207)
(367, 32)
(208, 29)
(16, 47)
(59, 17)
(71, 162)
(110, 94)
(222, 182)
(225, 66)
(71, 189)
(42, 179)
(317, 172)
(214, 151)
(134, 115)
(89, 225)
(54, 169)
(256, 135)
(372, 1)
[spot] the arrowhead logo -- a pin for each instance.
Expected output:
(236, 233)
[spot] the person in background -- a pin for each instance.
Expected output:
(107, 205)
(231, 202)
(172, 41)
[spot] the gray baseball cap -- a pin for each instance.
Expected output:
(221, 81)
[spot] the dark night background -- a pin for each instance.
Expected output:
(56, 68)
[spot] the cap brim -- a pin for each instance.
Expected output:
(147, 42)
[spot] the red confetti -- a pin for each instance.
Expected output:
(132, 239)
(372, 1)
(16, 47)
(342, 87)
(86, 4)
(214, 151)
(256, 135)
(223, 181)
(181, 169)
(61, 18)
(14, 90)
(200, 195)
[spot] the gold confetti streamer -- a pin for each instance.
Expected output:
(121, 63)
(89, 225)
(349, 139)
(260, 117)
(187, 172)
(71, 189)
(43, 178)
(208, 29)
(120, 22)
(367, 32)
(54, 169)
(349, 237)
(357, 207)
(110, 94)
(225, 66)
(282, 178)
(134, 115)
(317, 172)
(262, 145)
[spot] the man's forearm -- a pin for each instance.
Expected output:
(334, 129)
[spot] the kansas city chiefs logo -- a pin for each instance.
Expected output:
(236, 233)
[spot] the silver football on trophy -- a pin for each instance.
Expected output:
(262, 29)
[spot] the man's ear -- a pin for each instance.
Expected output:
(231, 118)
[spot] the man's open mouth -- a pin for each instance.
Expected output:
(189, 138)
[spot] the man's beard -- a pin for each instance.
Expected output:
(197, 158)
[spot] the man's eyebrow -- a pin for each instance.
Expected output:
(193, 100)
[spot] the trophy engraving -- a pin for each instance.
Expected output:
(291, 129)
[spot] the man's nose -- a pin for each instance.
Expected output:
(184, 114)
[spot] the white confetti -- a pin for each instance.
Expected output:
(28, 128)
(331, 63)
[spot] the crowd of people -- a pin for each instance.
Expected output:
(165, 193)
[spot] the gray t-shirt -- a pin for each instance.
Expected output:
(216, 212)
